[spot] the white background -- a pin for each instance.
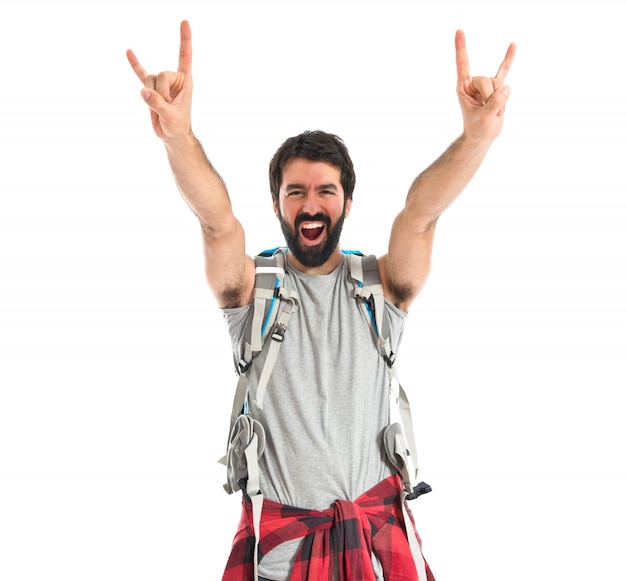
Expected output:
(115, 371)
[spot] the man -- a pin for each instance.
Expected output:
(326, 405)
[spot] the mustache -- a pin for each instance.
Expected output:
(312, 218)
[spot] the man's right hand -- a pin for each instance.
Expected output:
(168, 94)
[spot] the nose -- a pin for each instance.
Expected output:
(310, 204)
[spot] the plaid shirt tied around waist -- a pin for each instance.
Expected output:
(347, 531)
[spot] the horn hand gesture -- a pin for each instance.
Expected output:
(482, 99)
(168, 94)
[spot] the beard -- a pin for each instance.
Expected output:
(312, 256)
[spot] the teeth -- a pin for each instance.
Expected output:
(311, 225)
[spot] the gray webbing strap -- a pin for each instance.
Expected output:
(269, 276)
(369, 291)
(406, 419)
(253, 490)
(251, 348)
(416, 550)
(278, 334)
(399, 455)
(267, 280)
(370, 295)
(268, 292)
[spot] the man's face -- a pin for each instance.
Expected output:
(311, 210)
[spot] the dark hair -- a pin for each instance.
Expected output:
(315, 146)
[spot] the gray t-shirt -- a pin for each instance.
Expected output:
(327, 401)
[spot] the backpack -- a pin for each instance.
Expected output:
(246, 441)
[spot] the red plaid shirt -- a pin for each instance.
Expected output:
(350, 531)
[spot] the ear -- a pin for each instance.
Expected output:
(275, 204)
(348, 206)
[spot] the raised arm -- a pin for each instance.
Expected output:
(230, 273)
(482, 99)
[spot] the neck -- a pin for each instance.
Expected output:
(333, 262)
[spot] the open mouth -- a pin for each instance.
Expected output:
(312, 231)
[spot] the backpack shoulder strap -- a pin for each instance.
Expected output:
(274, 323)
(368, 292)
(265, 321)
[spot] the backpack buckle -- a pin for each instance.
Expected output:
(418, 490)
(279, 331)
(243, 365)
(389, 359)
(243, 484)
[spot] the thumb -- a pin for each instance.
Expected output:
(498, 100)
(154, 100)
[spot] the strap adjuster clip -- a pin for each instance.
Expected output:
(390, 359)
(243, 484)
(279, 331)
(243, 365)
(418, 490)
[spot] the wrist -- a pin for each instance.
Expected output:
(476, 144)
(182, 143)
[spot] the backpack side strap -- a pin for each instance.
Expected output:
(266, 321)
(369, 294)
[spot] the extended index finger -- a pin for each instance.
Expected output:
(184, 57)
(462, 60)
(134, 63)
(506, 63)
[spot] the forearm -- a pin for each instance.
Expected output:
(442, 182)
(199, 183)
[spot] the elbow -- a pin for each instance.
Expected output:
(416, 224)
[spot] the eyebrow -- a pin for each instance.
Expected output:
(329, 186)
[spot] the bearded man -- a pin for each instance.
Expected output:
(333, 506)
